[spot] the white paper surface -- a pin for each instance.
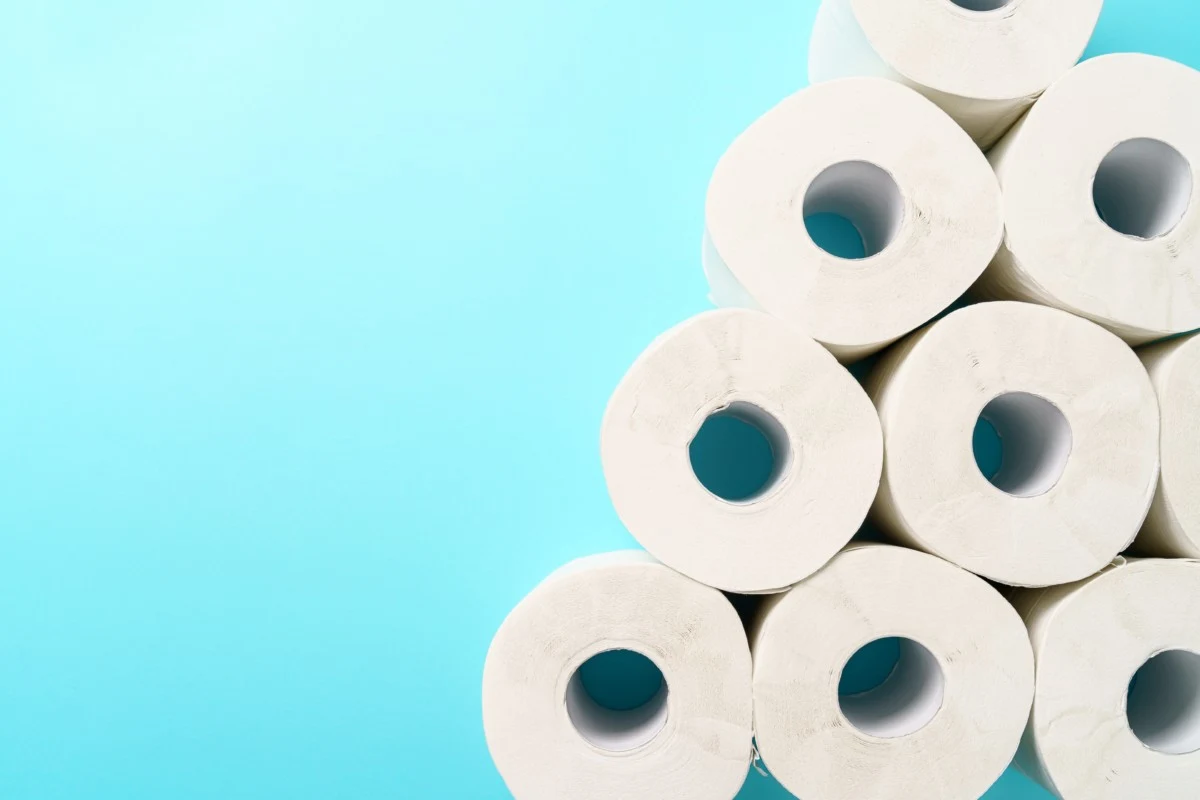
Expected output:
(887, 160)
(1057, 249)
(829, 458)
(1084, 489)
(696, 743)
(1089, 639)
(1172, 528)
(941, 742)
(984, 64)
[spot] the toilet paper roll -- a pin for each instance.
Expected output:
(822, 430)
(1172, 528)
(983, 61)
(1078, 422)
(1102, 212)
(1095, 734)
(943, 725)
(919, 192)
(551, 741)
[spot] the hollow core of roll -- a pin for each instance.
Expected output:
(982, 5)
(1163, 704)
(740, 452)
(1035, 440)
(906, 701)
(607, 700)
(1142, 188)
(864, 194)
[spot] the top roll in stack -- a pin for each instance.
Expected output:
(984, 62)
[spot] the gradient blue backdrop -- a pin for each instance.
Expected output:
(308, 315)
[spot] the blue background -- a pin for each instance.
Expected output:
(308, 316)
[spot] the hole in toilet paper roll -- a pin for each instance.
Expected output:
(740, 452)
(861, 193)
(1163, 704)
(906, 700)
(1142, 188)
(617, 700)
(870, 666)
(988, 449)
(835, 235)
(1034, 439)
(981, 5)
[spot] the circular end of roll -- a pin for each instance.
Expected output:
(776, 395)
(1077, 420)
(563, 666)
(1101, 201)
(943, 724)
(1116, 710)
(913, 188)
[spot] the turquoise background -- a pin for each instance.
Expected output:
(308, 316)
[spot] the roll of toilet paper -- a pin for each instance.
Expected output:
(825, 451)
(1101, 204)
(945, 722)
(1116, 707)
(983, 61)
(1077, 421)
(552, 740)
(1172, 528)
(920, 194)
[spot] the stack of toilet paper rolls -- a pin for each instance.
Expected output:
(1048, 611)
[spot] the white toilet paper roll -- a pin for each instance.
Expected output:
(919, 192)
(1102, 212)
(1076, 416)
(946, 721)
(983, 61)
(1094, 734)
(822, 430)
(1172, 528)
(551, 741)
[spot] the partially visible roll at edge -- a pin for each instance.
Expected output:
(1089, 640)
(1172, 528)
(551, 742)
(983, 68)
(1118, 138)
(944, 724)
